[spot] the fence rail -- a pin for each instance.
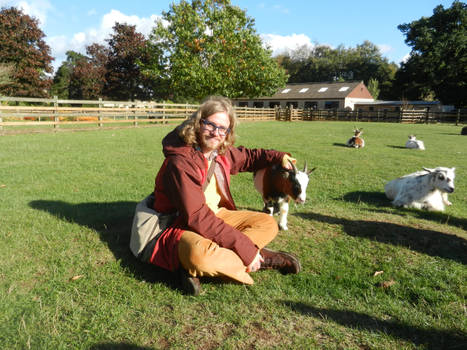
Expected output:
(403, 116)
(18, 113)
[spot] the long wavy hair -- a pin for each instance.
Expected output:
(190, 129)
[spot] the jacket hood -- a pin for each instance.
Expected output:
(172, 144)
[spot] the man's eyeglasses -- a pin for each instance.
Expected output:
(211, 127)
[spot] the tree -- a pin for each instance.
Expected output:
(373, 88)
(438, 60)
(127, 51)
(323, 63)
(5, 74)
(61, 81)
(22, 45)
(210, 47)
(87, 78)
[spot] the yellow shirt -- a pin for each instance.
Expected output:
(212, 194)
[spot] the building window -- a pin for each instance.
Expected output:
(344, 88)
(294, 104)
(243, 104)
(311, 105)
(303, 90)
(274, 104)
(285, 91)
(323, 89)
(331, 104)
(258, 104)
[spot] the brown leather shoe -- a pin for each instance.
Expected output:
(190, 285)
(282, 261)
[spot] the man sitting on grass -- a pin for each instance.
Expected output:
(205, 235)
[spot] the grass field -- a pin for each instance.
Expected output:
(374, 277)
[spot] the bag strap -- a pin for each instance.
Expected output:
(210, 172)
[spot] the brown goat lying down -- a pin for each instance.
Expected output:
(278, 185)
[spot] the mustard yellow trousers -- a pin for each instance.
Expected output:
(202, 257)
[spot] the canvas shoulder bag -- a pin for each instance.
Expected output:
(149, 224)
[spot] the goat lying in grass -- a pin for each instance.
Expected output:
(412, 142)
(278, 185)
(356, 141)
(427, 189)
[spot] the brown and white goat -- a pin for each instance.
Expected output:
(278, 185)
(356, 141)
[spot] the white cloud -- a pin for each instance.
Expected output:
(34, 8)
(405, 58)
(285, 43)
(384, 48)
(281, 9)
(60, 44)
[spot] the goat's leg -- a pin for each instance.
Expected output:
(284, 210)
(444, 197)
(268, 208)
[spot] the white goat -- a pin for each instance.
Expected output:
(426, 189)
(278, 185)
(412, 142)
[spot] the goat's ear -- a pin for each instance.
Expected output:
(310, 171)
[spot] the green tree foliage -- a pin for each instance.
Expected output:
(373, 88)
(210, 47)
(127, 52)
(438, 60)
(5, 73)
(61, 81)
(22, 45)
(323, 63)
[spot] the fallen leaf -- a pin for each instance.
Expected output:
(387, 284)
(377, 273)
(77, 277)
(2, 185)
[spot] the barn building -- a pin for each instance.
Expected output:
(333, 95)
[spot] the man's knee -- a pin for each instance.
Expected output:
(201, 254)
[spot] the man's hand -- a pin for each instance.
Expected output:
(255, 264)
(285, 161)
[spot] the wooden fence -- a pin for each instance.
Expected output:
(37, 113)
(402, 116)
(21, 113)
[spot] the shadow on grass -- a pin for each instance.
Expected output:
(429, 338)
(113, 223)
(378, 199)
(117, 346)
(340, 144)
(429, 242)
(397, 147)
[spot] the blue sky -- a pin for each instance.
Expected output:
(283, 25)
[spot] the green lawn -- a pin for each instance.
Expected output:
(69, 281)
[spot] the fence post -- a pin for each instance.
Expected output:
(458, 119)
(56, 126)
(135, 116)
(99, 113)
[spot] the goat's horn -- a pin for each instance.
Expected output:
(293, 166)
(305, 168)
